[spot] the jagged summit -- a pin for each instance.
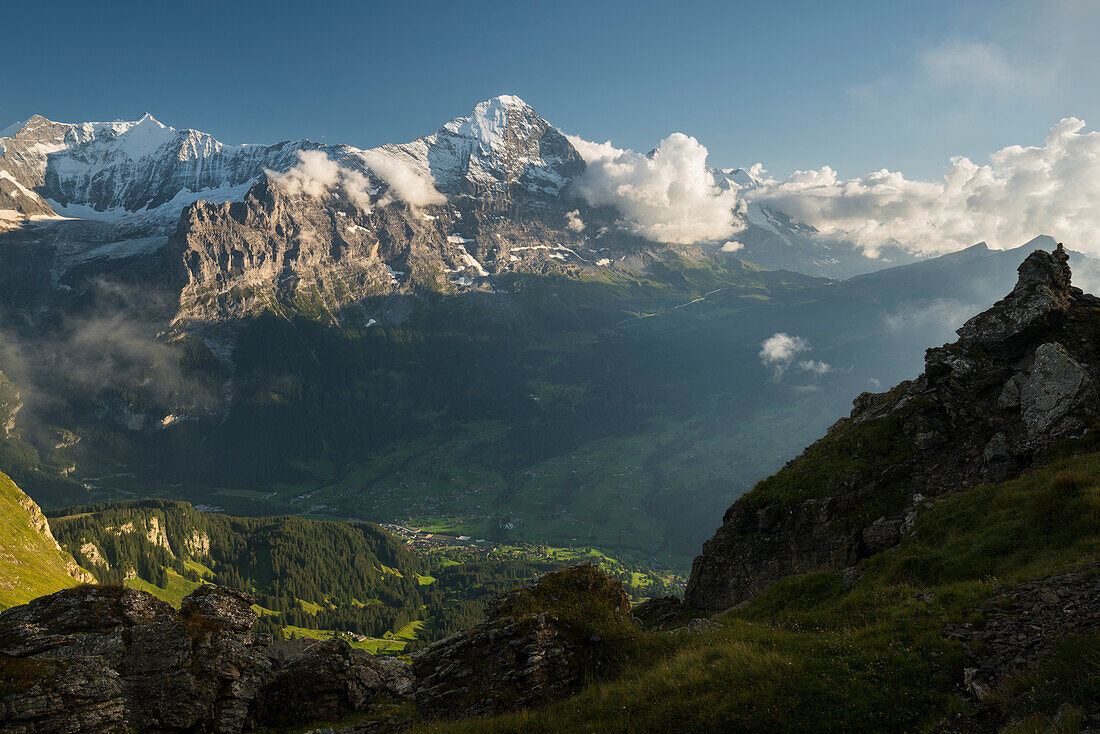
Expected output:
(1043, 289)
(1023, 375)
(503, 143)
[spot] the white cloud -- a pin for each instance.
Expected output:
(732, 246)
(668, 196)
(818, 368)
(573, 221)
(1024, 191)
(316, 175)
(405, 182)
(780, 350)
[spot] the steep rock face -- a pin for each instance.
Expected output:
(25, 147)
(537, 644)
(94, 659)
(238, 258)
(1022, 376)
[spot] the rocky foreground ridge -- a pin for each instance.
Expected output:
(101, 658)
(95, 659)
(1022, 377)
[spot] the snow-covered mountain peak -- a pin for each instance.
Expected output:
(141, 137)
(490, 122)
(743, 178)
(503, 142)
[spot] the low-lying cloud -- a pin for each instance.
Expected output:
(667, 196)
(573, 221)
(781, 352)
(316, 175)
(405, 182)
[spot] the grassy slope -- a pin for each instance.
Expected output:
(173, 593)
(30, 564)
(810, 655)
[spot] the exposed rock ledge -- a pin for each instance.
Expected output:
(1022, 376)
(98, 659)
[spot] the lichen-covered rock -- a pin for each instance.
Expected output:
(327, 680)
(1022, 376)
(1057, 386)
(112, 658)
(224, 607)
(539, 643)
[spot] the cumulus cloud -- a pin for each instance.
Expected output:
(780, 351)
(405, 182)
(667, 196)
(732, 246)
(573, 221)
(316, 175)
(1023, 191)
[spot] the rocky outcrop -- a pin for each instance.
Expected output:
(538, 644)
(327, 680)
(1022, 376)
(94, 659)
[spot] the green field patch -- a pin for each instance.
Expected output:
(425, 580)
(173, 592)
(309, 606)
(372, 645)
(199, 568)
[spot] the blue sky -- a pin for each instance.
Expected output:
(855, 85)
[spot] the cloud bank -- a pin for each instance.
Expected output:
(670, 195)
(1022, 192)
(667, 196)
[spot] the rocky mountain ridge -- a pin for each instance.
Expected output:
(1022, 377)
(128, 182)
(103, 658)
(98, 658)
